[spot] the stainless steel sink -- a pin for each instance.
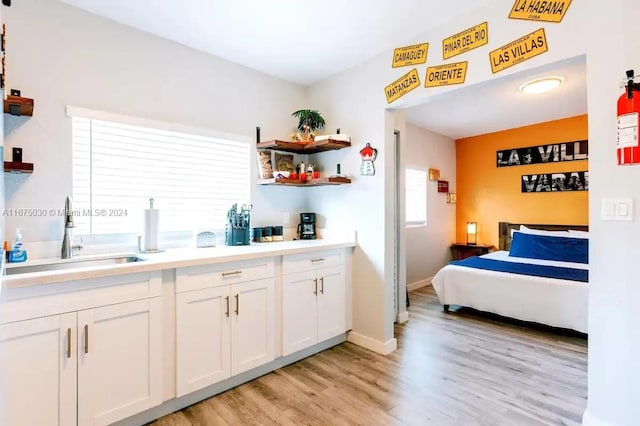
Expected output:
(72, 264)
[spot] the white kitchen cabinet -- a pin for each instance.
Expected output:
(313, 301)
(224, 322)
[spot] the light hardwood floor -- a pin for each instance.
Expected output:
(462, 368)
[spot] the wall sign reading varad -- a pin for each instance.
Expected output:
(466, 40)
(556, 182)
(552, 153)
(402, 86)
(518, 51)
(410, 55)
(536, 10)
(446, 75)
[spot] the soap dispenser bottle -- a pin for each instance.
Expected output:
(17, 254)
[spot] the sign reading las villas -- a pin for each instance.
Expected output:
(518, 51)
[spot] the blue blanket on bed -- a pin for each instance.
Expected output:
(571, 274)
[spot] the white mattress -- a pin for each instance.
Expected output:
(551, 301)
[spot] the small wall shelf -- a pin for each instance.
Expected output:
(17, 105)
(15, 167)
(309, 182)
(304, 148)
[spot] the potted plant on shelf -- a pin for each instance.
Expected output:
(309, 121)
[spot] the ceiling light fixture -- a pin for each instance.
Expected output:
(541, 85)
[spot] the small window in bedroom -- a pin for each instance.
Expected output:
(416, 197)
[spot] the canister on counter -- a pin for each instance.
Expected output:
(277, 233)
(266, 234)
(256, 235)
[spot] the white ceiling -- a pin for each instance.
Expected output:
(499, 104)
(297, 40)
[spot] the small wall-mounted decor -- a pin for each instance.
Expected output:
(556, 182)
(368, 155)
(530, 10)
(410, 55)
(451, 198)
(528, 46)
(434, 174)
(551, 153)
(443, 186)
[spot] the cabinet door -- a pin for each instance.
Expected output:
(251, 325)
(203, 339)
(120, 361)
(299, 311)
(331, 303)
(38, 372)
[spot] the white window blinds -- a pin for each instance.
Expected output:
(416, 197)
(117, 167)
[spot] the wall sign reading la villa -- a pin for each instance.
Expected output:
(537, 10)
(552, 153)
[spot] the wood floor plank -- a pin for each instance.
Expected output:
(462, 368)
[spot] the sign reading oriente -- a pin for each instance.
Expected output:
(446, 75)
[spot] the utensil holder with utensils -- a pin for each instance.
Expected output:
(238, 232)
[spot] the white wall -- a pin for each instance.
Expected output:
(60, 56)
(428, 246)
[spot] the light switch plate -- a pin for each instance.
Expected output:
(617, 209)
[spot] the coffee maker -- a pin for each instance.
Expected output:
(307, 226)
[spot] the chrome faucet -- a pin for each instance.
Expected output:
(67, 247)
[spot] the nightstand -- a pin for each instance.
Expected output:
(462, 250)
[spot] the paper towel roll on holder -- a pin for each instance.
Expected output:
(148, 241)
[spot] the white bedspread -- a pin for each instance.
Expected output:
(551, 301)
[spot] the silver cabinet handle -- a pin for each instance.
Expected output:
(237, 304)
(227, 313)
(315, 282)
(86, 339)
(319, 259)
(322, 285)
(231, 274)
(68, 343)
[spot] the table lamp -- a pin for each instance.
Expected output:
(472, 233)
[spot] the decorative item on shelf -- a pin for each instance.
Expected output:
(443, 186)
(265, 168)
(451, 198)
(472, 233)
(434, 174)
(15, 104)
(309, 121)
(16, 165)
(368, 155)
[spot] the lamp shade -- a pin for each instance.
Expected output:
(472, 233)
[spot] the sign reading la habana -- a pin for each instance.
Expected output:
(518, 51)
(402, 86)
(538, 10)
(410, 55)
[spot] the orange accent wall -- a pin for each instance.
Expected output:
(488, 194)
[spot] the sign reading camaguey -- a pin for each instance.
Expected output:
(466, 40)
(446, 75)
(536, 10)
(518, 51)
(410, 55)
(402, 86)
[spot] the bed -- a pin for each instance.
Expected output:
(547, 289)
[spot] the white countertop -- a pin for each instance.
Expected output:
(170, 259)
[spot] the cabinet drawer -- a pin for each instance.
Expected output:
(206, 276)
(308, 261)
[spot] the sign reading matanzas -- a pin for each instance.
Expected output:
(536, 10)
(518, 51)
(446, 75)
(552, 153)
(410, 55)
(466, 40)
(402, 86)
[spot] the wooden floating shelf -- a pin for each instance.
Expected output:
(17, 105)
(15, 167)
(304, 148)
(310, 182)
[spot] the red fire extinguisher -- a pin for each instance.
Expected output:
(628, 123)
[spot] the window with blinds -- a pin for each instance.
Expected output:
(416, 197)
(117, 167)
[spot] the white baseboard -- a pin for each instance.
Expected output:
(419, 284)
(403, 317)
(384, 348)
(590, 420)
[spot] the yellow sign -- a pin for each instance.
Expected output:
(518, 51)
(536, 10)
(446, 75)
(410, 55)
(468, 39)
(402, 86)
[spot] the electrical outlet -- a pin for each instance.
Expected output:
(285, 218)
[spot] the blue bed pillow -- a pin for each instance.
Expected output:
(564, 249)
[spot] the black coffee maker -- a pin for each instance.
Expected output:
(307, 226)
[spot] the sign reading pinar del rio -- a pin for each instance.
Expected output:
(410, 55)
(466, 40)
(536, 10)
(446, 75)
(402, 86)
(518, 51)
